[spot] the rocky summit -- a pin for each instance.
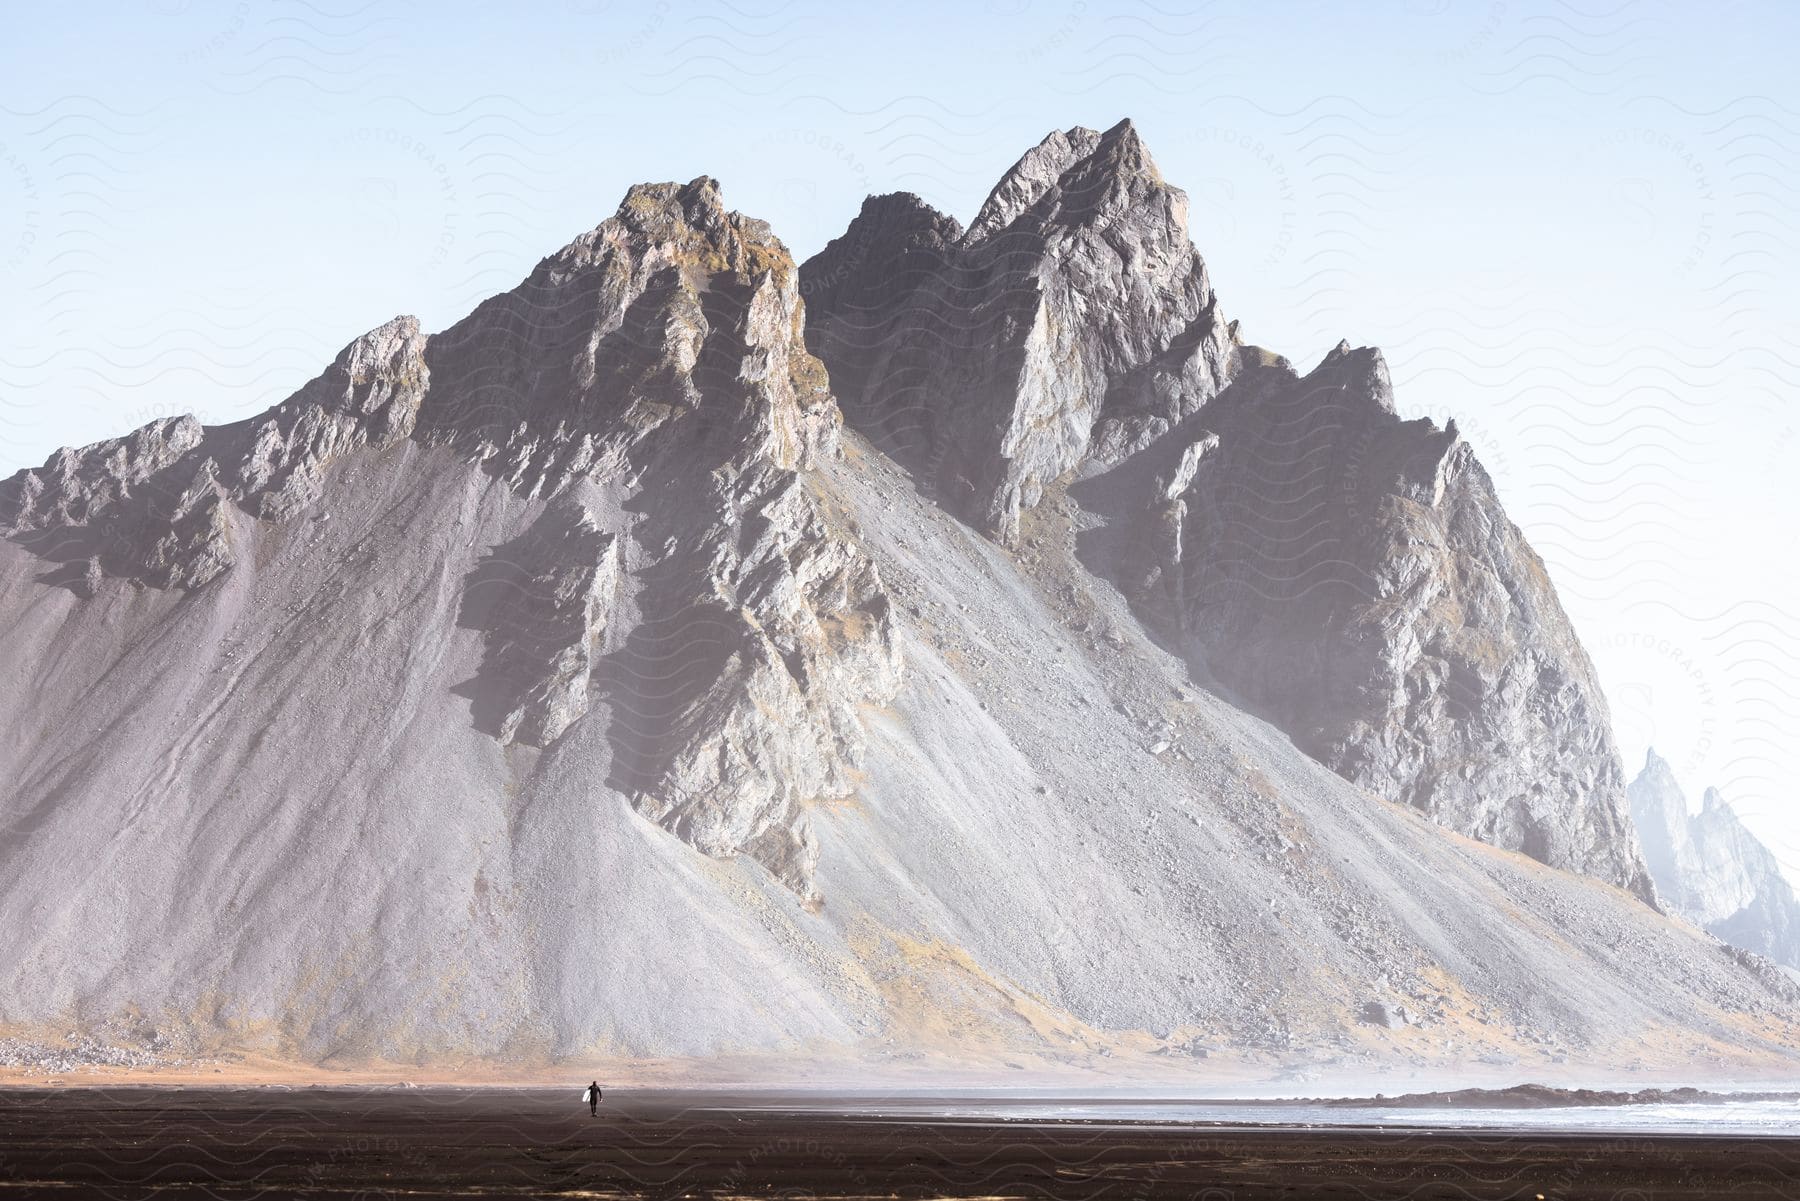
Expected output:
(961, 651)
(1071, 322)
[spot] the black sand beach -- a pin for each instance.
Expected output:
(158, 1142)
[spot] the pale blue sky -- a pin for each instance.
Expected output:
(1573, 227)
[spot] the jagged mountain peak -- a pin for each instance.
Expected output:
(897, 243)
(907, 212)
(1072, 176)
(1711, 869)
(1073, 310)
(700, 201)
(672, 314)
(1360, 374)
(686, 226)
(1660, 772)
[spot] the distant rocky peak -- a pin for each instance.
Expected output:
(1658, 800)
(666, 243)
(1657, 768)
(1711, 869)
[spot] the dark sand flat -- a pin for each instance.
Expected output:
(158, 1142)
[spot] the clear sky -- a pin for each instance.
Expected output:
(1574, 227)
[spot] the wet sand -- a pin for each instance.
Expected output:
(157, 1142)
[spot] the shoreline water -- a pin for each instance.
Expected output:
(153, 1142)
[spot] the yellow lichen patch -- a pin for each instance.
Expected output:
(1771, 1027)
(937, 996)
(771, 257)
(1658, 1045)
(1466, 1018)
(847, 626)
(1295, 830)
(1260, 784)
(1464, 1031)
(808, 375)
(645, 202)
(850, 802)
(1258, 356)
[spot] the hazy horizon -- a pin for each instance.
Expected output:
(1567, 228)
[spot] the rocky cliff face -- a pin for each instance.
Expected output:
(542, 601)
(1350, 575)
(667, 347)
(1353, 577)
(1711, 870)
(656, 363)
(1073, 310)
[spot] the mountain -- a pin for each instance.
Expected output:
(574, 682)
(1712, 870)
(1347, 574)
(666, 347)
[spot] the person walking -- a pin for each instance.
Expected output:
(591, 1094)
